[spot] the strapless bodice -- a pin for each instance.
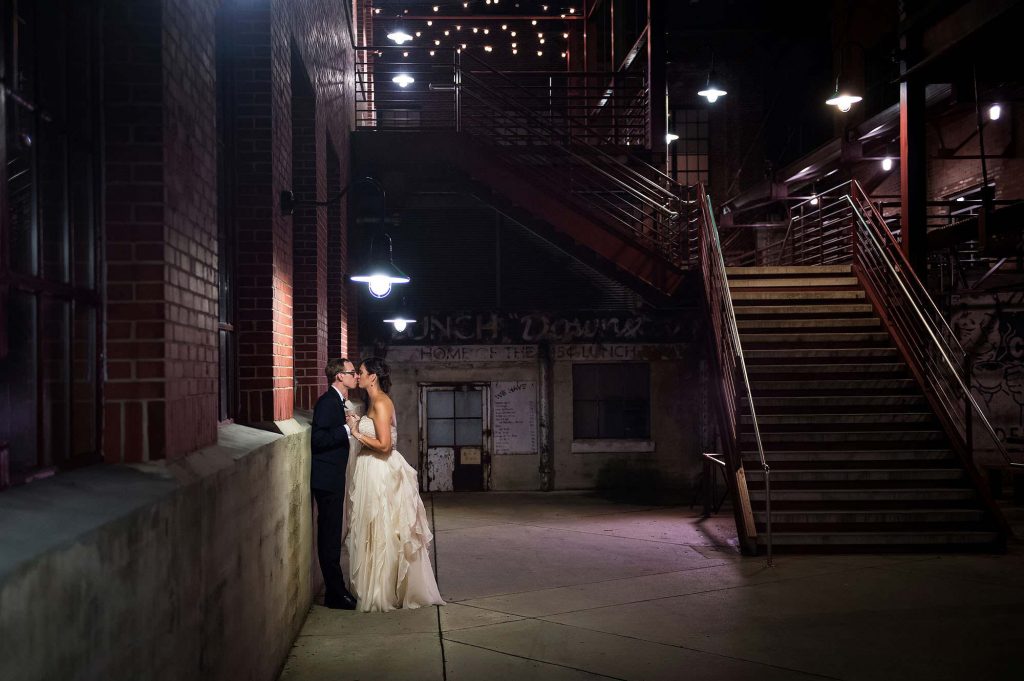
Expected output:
(366, 427)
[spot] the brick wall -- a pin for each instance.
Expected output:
(161, 213)
(950, 176)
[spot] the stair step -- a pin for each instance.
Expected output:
(803, 296)
(806, 353)
(893, 538)
(823, 338)
(861, 368)
(833, 387)
(806, 270)
(792, 282)
(823, 456)
(798, 310)
(840, 403)
(812, 421)
(905, 515)
(857, 475)
(861, 495)
(823, 323)
(805, 437)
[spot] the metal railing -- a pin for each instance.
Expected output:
(556, 146)
(731, 362)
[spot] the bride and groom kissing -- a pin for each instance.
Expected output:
(367, 496)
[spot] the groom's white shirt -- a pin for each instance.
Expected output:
(354, 445)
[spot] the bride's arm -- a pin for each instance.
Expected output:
(381, 418)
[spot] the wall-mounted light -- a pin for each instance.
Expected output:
(994, 112)
(400, 318)
(814, 200)
(403, 80)
(712, 90)
(380, 274)
(670, 137)
(399, 36)
(887, 164)
(842, 99)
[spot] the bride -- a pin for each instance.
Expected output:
(387, 533)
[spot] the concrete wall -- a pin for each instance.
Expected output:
(194, 569)
(668, 462)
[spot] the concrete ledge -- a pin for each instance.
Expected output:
(197, 568)
(611, 446)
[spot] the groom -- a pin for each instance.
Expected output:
(330, 445)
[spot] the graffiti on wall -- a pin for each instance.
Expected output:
(501, 328)
(991, 329)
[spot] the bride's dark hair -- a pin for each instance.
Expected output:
(377, 366)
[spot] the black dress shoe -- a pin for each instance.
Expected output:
(343, 602)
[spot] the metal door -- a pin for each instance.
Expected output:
(456, 455)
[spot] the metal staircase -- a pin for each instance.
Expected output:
(857, 456)
(838, 380)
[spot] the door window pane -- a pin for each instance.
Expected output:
(468, 403)
(468, 432)
(440, 404)
(440, 432)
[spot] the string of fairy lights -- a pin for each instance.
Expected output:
(491, 26)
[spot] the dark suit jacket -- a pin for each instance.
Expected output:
(330, 443)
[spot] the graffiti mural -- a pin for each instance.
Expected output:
(991, 329)
(502, 328)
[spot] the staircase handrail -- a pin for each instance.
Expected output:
(723, 318)
(900, 271)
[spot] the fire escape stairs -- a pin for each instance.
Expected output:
(858, 458)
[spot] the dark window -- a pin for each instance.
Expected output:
(49, 303)
(611, 401)
(228, 378)
(690, 157)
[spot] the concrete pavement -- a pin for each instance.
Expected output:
(569, 586)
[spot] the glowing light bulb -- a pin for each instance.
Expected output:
(431, 53)
(487, 31)
(435, 8)
(400, 325)
(534, 22)
(515, 44)
(542, 41)
(487, 48)
(399, 36)
(403, 80)
(814, 200)
(504, 27)
(437, 42)
(514, 51)
(994, 112)
(572, 10)
(670, 137)
(886, 164)
(843, 102)
(447, 32)
(476, 30)
(430, 23)
(380, 287)
(513, 34)
(565, 35)
(540, 53)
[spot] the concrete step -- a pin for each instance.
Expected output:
(883, 538)
(862, 386)
(840, 436)
(802, 310)
(791, 282)
(904, 515)
(812, 457)
(931, 494)
(855, 404)
(802, 270)
(829, 353)
(804, 297)
(833, 421)
(809, 338)
(858, 369)
(845, 475)
(822, 323)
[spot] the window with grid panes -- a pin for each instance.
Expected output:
(611, 401)
(690, 157)
(49, 302)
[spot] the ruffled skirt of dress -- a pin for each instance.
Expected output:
(388, 536)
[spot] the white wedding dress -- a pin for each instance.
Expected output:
(387, 534)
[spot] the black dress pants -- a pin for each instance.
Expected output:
(330, 507)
